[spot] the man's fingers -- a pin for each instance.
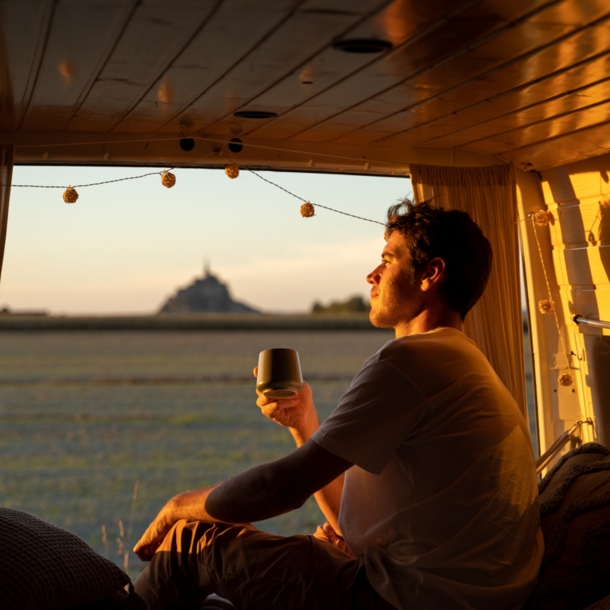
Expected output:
(285, 403)
(271, 410)
(142, 553)
(146, 547)
(152, 538)
(145, 550)
(145, 553)
(255, 371)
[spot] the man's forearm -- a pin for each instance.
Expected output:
(191, 505)
(262, 492)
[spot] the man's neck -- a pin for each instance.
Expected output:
(429, 320)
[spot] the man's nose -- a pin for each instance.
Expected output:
(373, 276)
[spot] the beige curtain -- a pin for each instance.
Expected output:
(6, 175)
(488, 194)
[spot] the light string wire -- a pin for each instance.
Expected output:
(548, 287)
(319, 205)
(568, 355)
(80, 186)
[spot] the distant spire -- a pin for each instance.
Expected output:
(206, 267)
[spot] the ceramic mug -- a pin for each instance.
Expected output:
(279, 373)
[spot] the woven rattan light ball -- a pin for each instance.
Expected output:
(232, 171)
(168, 179)
(307, 210)
(70, 195)
(546, 306)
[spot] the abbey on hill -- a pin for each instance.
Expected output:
(205, 294)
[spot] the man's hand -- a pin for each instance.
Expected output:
(186, 505)
(297, 413)
(155, 533)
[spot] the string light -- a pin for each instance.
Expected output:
(543, 218)
(232, 171)
(317, 204)
(54, 186)
(70, 195)
(167, 179)
(307, 210)
(564, 379)
(546, 305)
(548, 287)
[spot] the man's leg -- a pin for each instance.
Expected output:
(255, 570)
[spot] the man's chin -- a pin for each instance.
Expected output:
(378, 320)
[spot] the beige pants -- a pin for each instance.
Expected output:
(255, 570)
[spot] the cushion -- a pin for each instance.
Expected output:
(575, 512)
(45, 567)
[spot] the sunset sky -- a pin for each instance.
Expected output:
(125, 247)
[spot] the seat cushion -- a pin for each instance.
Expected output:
(575, 512)
(43, 567)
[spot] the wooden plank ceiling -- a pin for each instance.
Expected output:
(526, 81)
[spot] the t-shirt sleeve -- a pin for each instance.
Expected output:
(379, 411)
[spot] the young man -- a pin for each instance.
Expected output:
(424, 471)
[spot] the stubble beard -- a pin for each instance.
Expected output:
(378, 321)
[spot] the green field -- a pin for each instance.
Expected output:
(88, 415)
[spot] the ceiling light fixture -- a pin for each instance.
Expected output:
(255, 114)
(235, 145)
(187, 144)
(363, 45)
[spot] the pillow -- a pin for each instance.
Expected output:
(575, 518)
(43, 567)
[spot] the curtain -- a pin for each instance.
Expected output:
(495, 323)
(6, 175)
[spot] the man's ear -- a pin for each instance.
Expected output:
(433, 274)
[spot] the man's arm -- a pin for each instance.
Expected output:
(259, 493)
(299, 415)
(275, 488)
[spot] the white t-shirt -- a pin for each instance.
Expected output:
(441, 503)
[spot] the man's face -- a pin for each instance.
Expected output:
(396, 298)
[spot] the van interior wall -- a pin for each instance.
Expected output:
(578, 241)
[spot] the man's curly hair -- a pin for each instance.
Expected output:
(451, 235)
